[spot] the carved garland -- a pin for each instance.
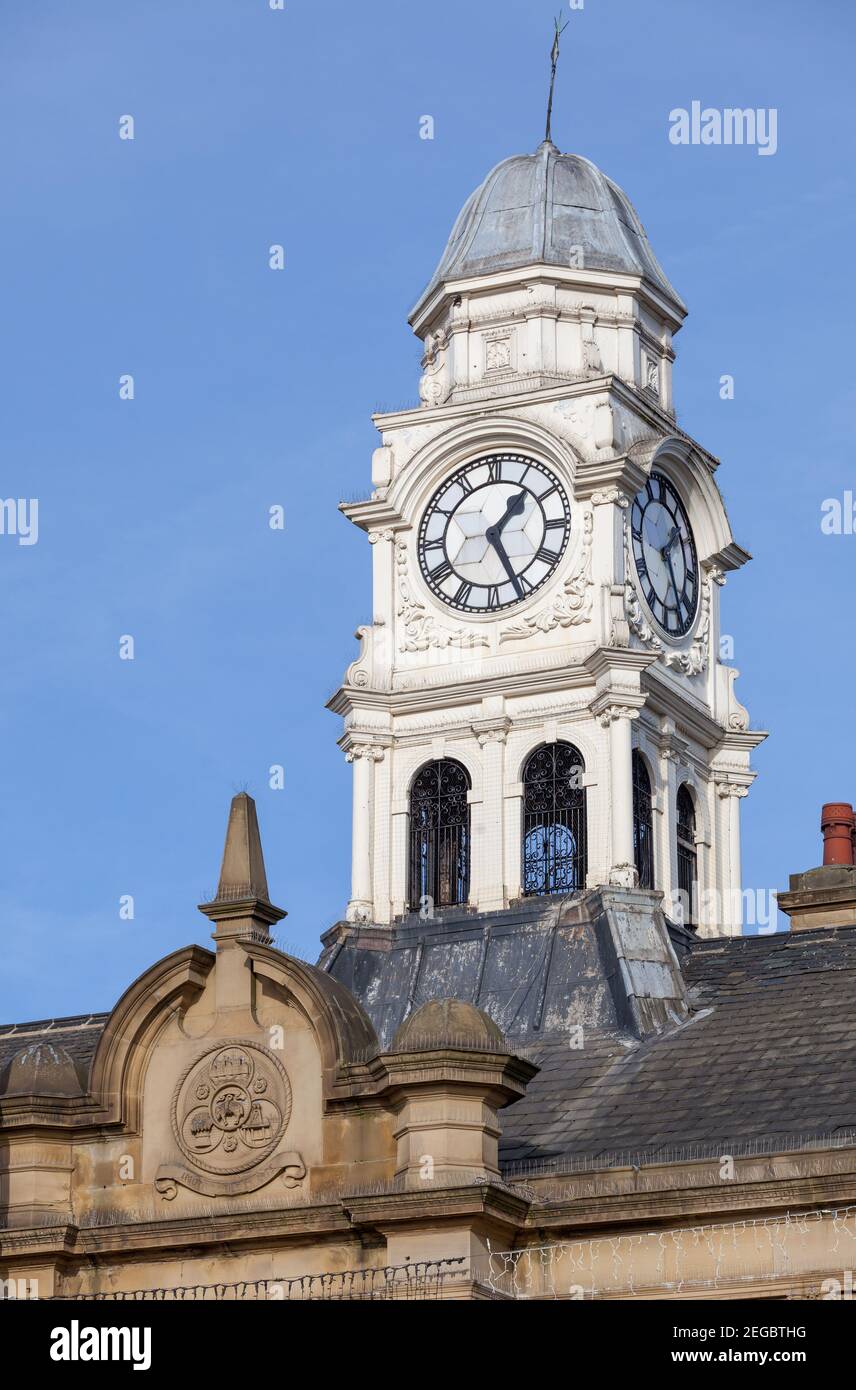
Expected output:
(572, 603)
(421, 630)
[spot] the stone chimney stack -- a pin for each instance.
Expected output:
(836, 823)
(826, 897)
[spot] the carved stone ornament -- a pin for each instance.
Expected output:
(433, 388)
(570, 606)
(497, 352)
(420, 630)
(230, 1110)
(652, 375)
(693, 660)
(738, 715)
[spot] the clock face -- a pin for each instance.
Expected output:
(665, 556)
(493, 533)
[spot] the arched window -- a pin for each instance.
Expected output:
(685, 830)
(440, 835)
(643, 822)
(554, 820)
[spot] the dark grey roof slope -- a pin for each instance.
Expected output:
(768, 1049)
(78, 1036)
(518, 966)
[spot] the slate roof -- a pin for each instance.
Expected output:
(768, 1050)
(78, 1036)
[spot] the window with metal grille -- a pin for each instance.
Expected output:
(439, 836)
(643, 822)
(554, 821)
(685, 830)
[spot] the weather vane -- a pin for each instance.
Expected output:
(554, 62)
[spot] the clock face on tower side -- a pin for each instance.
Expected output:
(665, 555)
(493, 533)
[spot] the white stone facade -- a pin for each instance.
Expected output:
(572, 367)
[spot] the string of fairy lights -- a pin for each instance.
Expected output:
(607, 1265)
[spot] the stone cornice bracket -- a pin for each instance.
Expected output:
(372, 752)
(607, 714)
(617, 672)
(726, 786)
(374, 514)
(491, 730)
(605, 479)
(610, 496)
(619, 667)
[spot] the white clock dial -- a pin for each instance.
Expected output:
(493, 533)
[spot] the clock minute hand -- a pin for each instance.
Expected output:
(668, 556)
(492, 537)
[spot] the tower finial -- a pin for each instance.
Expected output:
(559, 28)
(242, 907)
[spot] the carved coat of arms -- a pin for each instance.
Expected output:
(229, 1112)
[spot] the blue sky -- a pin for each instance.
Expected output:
(253, 387)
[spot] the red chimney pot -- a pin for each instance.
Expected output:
(838, 825)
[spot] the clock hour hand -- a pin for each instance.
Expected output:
(514, 508)
(670, 542)
(492, 537)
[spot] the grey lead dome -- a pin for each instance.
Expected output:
(553, 209)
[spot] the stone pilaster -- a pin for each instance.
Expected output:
(363, 757)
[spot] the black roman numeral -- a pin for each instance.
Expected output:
(463, 594)
(548, 556)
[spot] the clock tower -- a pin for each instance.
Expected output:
(538, 708)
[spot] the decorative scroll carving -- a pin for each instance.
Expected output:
(433, 387)
(609, 714)
(738, 715)
(421, 630)
(372, 752)
(570, 606)
(358, 672)
(230, 1110)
